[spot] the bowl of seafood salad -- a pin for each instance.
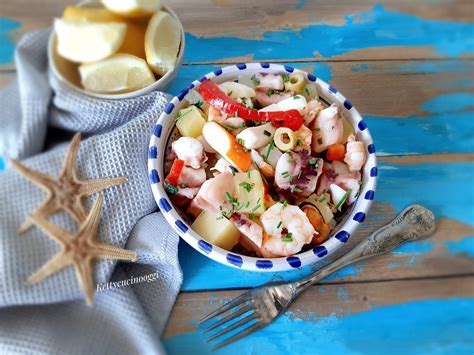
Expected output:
(262, 167)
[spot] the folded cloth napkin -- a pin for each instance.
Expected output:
(51, 316)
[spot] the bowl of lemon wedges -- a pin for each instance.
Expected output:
(117, 49)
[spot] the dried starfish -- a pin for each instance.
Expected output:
(78, 250)
(65, 192)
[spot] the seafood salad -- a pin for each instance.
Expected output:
(261, 165)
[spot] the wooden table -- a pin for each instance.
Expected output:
(409, 69)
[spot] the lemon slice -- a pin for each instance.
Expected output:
(162, 41)
(118, 74)
(133, 8)
(134, 41)
(82, 41)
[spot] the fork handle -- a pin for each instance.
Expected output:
(413, 223)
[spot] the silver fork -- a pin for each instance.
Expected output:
(265, 303)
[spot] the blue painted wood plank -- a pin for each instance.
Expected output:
(430, 184)
(418, 327)
(378, 27)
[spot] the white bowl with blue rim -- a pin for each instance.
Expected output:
(165, 128)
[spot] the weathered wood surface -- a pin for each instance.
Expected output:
(409, 69)
(403, 316)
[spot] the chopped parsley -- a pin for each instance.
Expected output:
(307, 91)
(231, 128)
(247, 186)
(286, 78)
(268, 134)
(322, 198)
(182, 114)
(199, 103)
(287, 238)
(233, 169)
(270, 92)
(251, 216)
(313, 161)
(242, 143)
(293, 188)
(285, 203)
(171, 189)
(296, 97)
(343, 199)
(256, 208)
(270, 147)
(255, 80)
(279, 224)
(316, 129)
(291, 160)
(285, 174)
(299, 142)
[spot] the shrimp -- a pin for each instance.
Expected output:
(212, 194)
(312, 110)
(328, 129)
(355, 154)
(190, 150)
(287, 230)
(249, 229)
(216, 115)
(298, 172)
(304, 136)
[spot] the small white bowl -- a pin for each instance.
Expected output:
(68, 72)
(157, 150)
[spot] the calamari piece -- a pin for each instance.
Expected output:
(287, 230)
(236, 90)
(190, 150)
(328, 129)
(256, 137)
(212, 195)
(355, 154)
(296, 102)
(221, 166)
(269, 81)
(298, 172)
(216, 115)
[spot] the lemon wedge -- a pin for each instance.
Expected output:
(133, 8)
(134, 40)
(82, 41)
(118, 74)
(162, 41)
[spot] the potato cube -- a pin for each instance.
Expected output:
(190, 121)
(249, 192)
(216, 230)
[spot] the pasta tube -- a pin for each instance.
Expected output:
(295, 83)
(285, 139)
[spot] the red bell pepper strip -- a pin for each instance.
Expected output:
(175, 172)
(214, 96)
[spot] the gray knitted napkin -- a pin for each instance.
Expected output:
(52, 317)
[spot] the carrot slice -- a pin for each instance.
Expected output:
(336, 152)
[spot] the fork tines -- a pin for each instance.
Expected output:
(233, 315)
